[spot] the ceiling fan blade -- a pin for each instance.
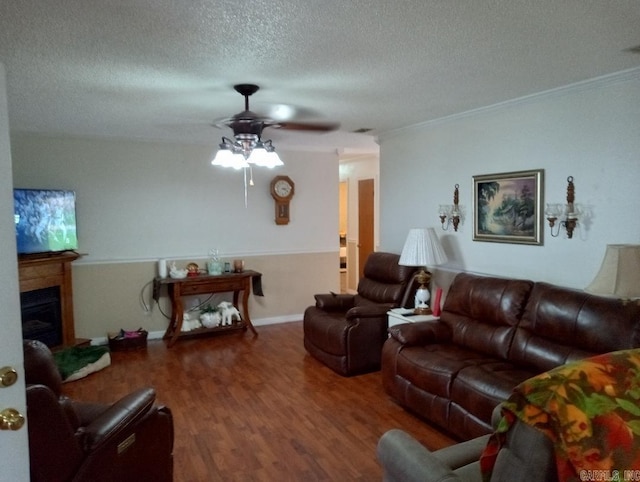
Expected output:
(304, 126)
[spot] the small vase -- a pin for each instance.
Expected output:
(214, 268)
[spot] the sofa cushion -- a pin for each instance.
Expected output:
(481, 387)
(562, 325)
(434, 367)
(483, 312)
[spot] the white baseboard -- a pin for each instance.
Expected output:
(157, 335)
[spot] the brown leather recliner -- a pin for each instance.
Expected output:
(346, 332)
(130, 440)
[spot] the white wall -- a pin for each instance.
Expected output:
(147, 200)
(589, 130)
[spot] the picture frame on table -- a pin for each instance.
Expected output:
(508, 207)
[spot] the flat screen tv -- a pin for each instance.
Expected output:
(45, 220)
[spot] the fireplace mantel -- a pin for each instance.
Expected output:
(44, 271)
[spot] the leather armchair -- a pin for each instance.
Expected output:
(346, 331)
(129, 440)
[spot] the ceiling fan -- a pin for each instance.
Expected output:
(250, 123)
(248, 147)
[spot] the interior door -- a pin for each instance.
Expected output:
(14, 445)
(365, 222)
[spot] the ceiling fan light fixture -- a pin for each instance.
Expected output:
(228, 156)
(246, 148)
(245, 151)
(264, 155)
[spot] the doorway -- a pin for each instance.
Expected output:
(342, 232)
(366, 219)
(360, 173)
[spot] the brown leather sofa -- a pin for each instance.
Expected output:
(346, 331)
(130, 440)
(492, 334)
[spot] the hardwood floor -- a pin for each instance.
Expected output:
(260, 409)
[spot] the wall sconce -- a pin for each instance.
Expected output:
(554, 211)
(450, 213)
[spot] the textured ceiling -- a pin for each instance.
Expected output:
(164, 69)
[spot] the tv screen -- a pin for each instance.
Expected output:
(45, 220)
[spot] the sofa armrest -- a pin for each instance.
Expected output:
(120, 416)
(369, 311)
(334, 302)
(422, 333)
(404, 459)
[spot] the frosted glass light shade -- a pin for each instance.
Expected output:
(261, 157)
(619, 273)
(226, 158)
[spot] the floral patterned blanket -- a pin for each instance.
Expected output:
(590, 409)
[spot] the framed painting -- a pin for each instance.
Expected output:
(508, 207)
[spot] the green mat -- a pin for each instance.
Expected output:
(79, 361)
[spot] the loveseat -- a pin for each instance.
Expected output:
(492, 334)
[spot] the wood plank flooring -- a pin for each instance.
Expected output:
(260, 409)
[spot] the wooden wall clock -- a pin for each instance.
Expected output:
(282, 189)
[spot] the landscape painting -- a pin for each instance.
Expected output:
(507, 207)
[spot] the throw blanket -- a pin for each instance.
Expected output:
(590, 410)
(79, 361)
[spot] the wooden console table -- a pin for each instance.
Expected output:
(202, 284)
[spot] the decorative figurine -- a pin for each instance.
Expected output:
(227, 313)
(193, 269)
(177, 273)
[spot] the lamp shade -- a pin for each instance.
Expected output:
(422, 248)
(262, 157)
(619, 274)
(226, 158)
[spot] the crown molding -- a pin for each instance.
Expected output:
(585, 85)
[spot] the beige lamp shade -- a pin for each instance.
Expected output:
(619, 274)
(422, 248)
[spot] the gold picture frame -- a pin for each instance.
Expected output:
(508, 207)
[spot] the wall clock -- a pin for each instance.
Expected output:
(282, 189)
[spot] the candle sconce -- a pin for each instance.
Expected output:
(450, 214)
(570, 212)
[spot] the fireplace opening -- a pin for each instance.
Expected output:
(42, 316)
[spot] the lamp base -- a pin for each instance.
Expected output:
(421, 301)
(422, 311)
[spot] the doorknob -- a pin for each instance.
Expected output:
(8, 376)
(11, 419)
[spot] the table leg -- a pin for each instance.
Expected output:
(175, 324)
(245, 308)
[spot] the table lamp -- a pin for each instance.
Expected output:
(619, 273)
(422, 248)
